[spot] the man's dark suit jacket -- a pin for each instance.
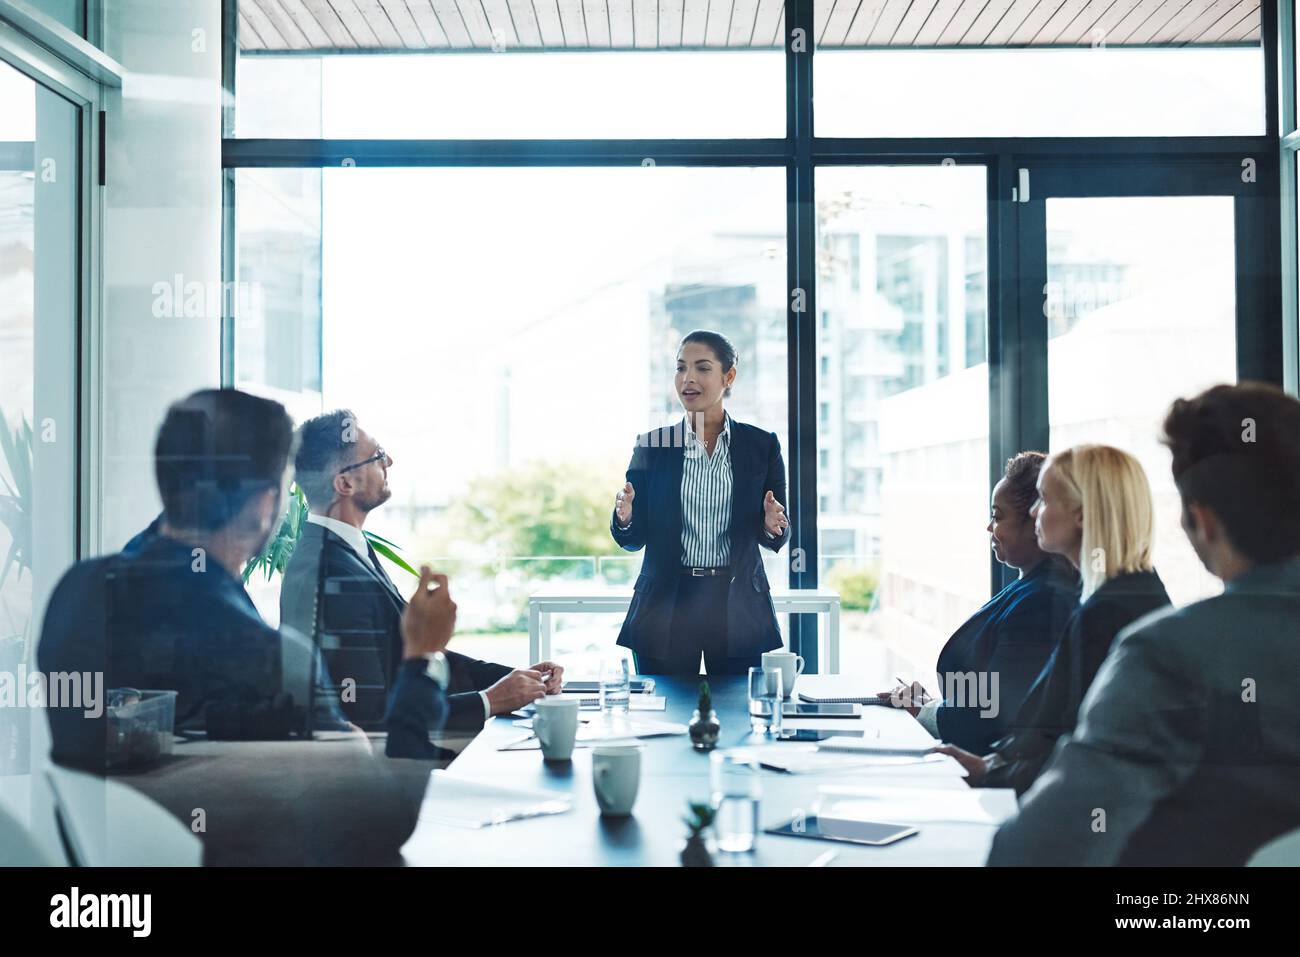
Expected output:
(161, 616)
(1052, 705)
(1187, 750)
(656, 476)
(354, 612)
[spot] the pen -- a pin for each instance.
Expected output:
(909, 687)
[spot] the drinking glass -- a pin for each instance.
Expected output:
(615, 687)
(736, 789)
(765, 701)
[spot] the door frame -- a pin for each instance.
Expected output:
(28, 57)
(1251, 177)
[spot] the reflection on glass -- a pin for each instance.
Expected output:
(276, 301)
(17, 359)
(39, 294)
(1140, 304)
(903, 425)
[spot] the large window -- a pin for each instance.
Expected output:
(902, 282)
(506, 335)
(976, 68)
(496, 220)
(1141, 310)
(514, 94)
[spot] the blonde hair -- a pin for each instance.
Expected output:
(1111, 488)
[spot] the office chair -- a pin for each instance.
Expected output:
(106, 824)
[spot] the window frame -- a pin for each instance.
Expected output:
(1017, 383)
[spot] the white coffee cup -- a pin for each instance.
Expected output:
(555, 722)
(616, 775)
(788, 663)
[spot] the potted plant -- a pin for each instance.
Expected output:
(695, 849)
(704, 726)
(275, 556)
(16, 648)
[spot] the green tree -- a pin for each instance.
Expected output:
(856, 585)
(559, 510)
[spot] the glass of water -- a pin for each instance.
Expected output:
(765, 701)
(736, 789)
(615, 687)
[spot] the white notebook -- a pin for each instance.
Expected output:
(876, 746)
(464, 802)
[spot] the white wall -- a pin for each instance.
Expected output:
(162, 219)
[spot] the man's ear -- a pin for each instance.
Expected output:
(269, 507)
(343, 487)
(1202, 524)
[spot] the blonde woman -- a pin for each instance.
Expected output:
(1094, 509)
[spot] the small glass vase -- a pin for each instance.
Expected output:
(704, 730)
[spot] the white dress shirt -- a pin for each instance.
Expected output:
(438, 669)
(706, 499)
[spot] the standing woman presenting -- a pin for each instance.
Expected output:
(701, 497)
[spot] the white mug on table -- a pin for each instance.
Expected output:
(788, 663)
(555, 722)
(616, 775)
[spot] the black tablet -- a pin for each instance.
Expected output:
(873, 833)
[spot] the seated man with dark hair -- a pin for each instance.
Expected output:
(1187, 748)
(171, 612)
(337, 592)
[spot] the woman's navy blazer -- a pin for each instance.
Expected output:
(656, 476)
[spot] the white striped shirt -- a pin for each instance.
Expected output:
(706, 499)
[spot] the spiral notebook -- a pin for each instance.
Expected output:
(852, 699)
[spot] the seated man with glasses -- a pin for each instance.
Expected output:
(171, 613)
(337, 590)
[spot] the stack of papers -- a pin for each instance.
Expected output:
(463, 802)
(636, 702)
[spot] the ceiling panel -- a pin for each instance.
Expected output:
(403, 25)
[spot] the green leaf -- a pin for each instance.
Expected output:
(376, 537)
(381, 546)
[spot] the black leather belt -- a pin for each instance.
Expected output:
(721, 570)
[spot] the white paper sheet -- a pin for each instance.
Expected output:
(916, 805)
(464, 802)
(594, 732)
(812, 761)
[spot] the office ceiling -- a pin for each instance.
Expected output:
(412, 25)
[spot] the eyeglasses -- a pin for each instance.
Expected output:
(379, 456)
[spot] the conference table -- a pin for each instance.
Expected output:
(673, 774)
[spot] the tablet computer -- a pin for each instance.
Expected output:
(872, 833)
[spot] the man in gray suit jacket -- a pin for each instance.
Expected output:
(1187, 750)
